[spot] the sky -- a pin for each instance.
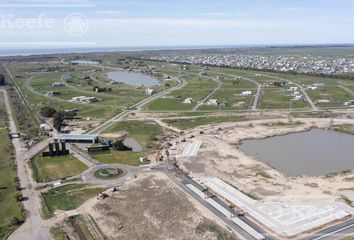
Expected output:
(139, 23)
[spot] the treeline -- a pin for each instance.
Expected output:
(59, 117)
(24, 117)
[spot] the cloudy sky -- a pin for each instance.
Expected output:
(127, 23)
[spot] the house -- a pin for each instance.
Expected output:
(53, 93)
(149, 91)
(246, 93)
(298, 98)
(312, 87)
(188, 100)
(58, 84)
(349, 103)
(144, 160)
(293, 89)
(45, 127)
(212, 102)
(323, 101)
(83, 99)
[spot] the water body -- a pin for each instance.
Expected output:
(313, 153)
(136, 79)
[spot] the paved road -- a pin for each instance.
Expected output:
(219, 84)
(137, 107)
(182, 185)
(346, 89)
(32, 229)
(258, 90)
(258, 93)
(336, 232)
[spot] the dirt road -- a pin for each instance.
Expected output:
(32, 228)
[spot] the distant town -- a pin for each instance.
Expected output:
(298, 64)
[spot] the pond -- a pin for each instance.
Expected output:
(136, 79)
(313, 153)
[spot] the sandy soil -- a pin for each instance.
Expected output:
(219, 157)
(150, 207)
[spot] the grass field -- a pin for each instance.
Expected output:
(197, 88)
(334, 94)
(278, 98)
(145, 133)
(66, 198)
(11, 214)
(51, 168)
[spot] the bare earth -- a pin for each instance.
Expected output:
(150, 207)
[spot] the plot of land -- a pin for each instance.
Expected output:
(51, 168)
(155, 214)
(66, 198)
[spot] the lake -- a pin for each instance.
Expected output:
(136, 79)
(313, 153)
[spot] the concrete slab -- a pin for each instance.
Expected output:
(284, 218)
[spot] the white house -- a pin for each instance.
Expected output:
(312, 87)
(246, 93)
(188, 100)
(149, 91)
(293, 89)
(298, 98)
(323, 101)
(45, 127)
(349, 103)
(58, 84)
(212, 102)
(83, 99)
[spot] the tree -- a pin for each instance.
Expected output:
(2, 80)
(119, 145)
(47, 112)
(58, 120)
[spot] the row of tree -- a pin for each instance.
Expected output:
(59, 117)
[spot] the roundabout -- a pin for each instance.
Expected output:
(108, 173)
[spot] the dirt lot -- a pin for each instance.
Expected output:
(150, 207)
(219, 157)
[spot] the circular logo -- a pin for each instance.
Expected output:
(76, 24)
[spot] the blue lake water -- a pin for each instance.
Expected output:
(136, 79)
(313, 153)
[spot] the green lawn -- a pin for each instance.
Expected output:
(334, 94)
(145, 133)
(123, 157)
(51, 168)
(11, 214)
(66, 198)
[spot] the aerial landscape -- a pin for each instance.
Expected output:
(163, 120)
